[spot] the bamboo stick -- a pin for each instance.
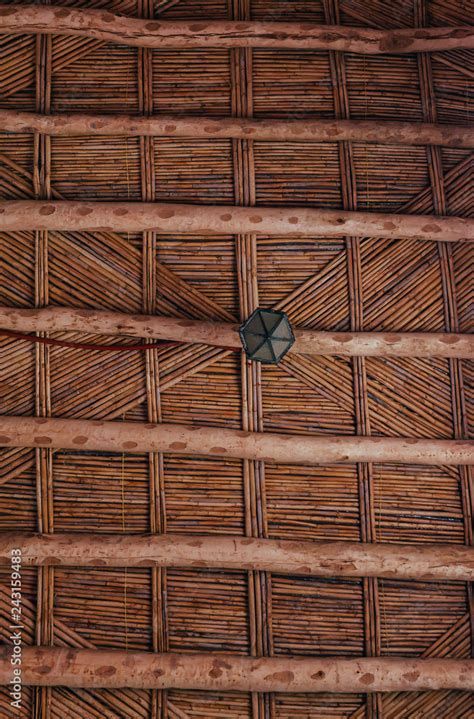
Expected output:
(425, 562)
(223, 334)
(103, 25)
(395, 133)
(88, 668)
(227, 220)
(137, 437)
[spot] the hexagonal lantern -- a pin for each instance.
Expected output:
(267, 336)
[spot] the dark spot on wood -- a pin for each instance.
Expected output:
(218, 450)
(129, 445)
(105, 671)
(43, 440)
(170, 128)
(178, 445)
(166, 214)
(47, 210)
(44, 669)
(367, 679)
(4, 439)
(226, 217)
(411, 676)
(153, 26)
(80, 439)
(256, 218)
(285, 677)
(392, 43)
(318, 675)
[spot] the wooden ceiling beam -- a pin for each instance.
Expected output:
(138, 437)
(290, 130)
(422, 562)
(77, 216)
(103, 25)
(225, 334)
(113, 669)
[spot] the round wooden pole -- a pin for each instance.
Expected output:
(114, 669)
(222, 334)
(103, 25)
(424, 562)
(281, 448)
(293, 130)
(228, 220)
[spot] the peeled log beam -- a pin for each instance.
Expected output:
(227, 220)
(215, 441)
(222, 334)
(114, 669)
(103, 25)
(393, 133)
(425, 562)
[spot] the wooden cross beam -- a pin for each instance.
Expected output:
(113, 669)
(103, 25)
(215, 441)
(225, 334)
(422, 562)
(227, 220)
(290, 130)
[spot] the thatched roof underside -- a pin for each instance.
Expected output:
(327, 284)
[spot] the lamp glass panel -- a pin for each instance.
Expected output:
(255, 325)
(283, 331)
(279, 347)
(264, 354)
(270, 320)
(253, 342)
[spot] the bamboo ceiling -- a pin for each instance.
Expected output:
(323, 282)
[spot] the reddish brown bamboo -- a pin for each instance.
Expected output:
(228, 220)
(103, 25)
(282, 448)
(113, 669)
(424, 562)
(394, 133)
(222, 334)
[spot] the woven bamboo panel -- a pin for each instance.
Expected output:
(315, 616)
(295, 84)
(207, 611)
(414, 504)
(209, 705)
(399, 13)
(110, 482)
(194, 81)
(312, 503)
(401, 286)
(215, 490)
